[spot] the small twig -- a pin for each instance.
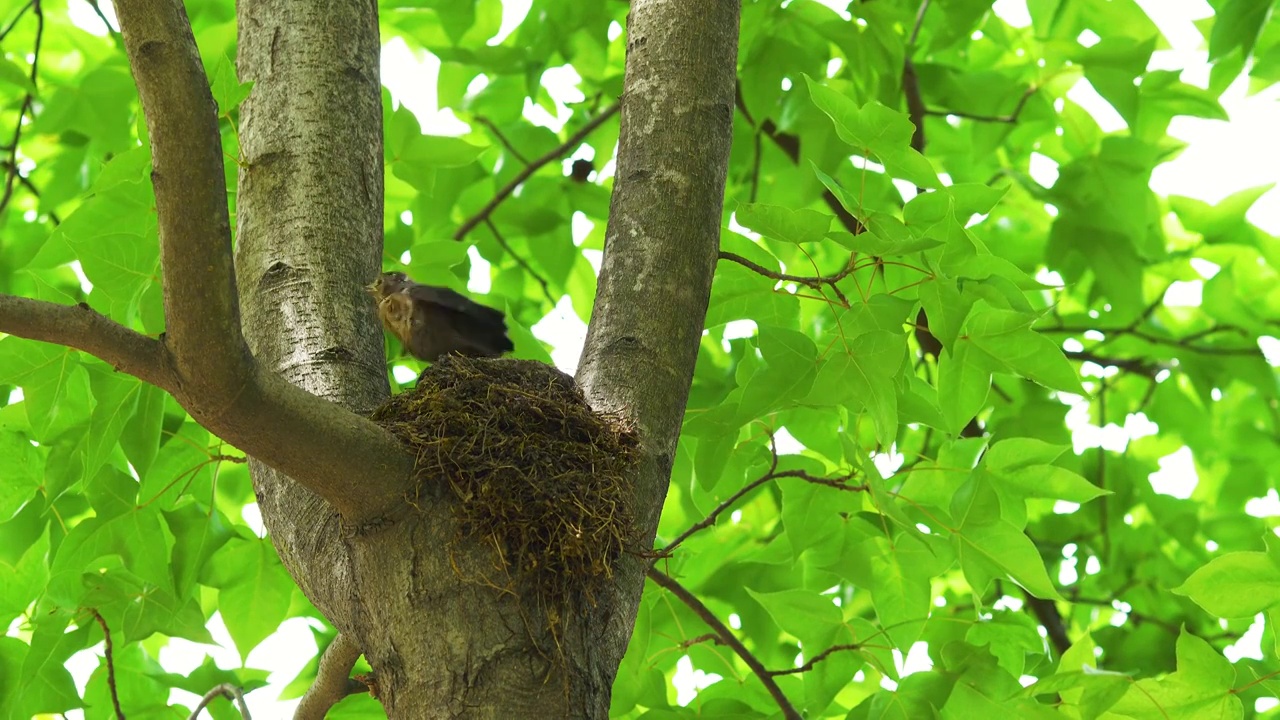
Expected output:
(817, 659)
(14, 22)
(25, 182)
(501, 138)
(1046, 612)
(111, 664)
(115, 34)
(773, 473)
(1011, 118)
(1185, 343)
(546, 290)
(728, 638)
(12, 172)
(808, 281)
(228, 691)
(333, 681)
(915, 30)
(556, 153)
(815, 283)
(1137, 366)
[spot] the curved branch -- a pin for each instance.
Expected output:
(728, 638)
(228, 691)
(815, 282)
(333, 680)
(215, 377)
(79, 327)
(108, 655)
(838, 483)
(554, 154)
(11, 173)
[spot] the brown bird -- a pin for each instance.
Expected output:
(434, 321)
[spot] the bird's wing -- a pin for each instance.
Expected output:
(457, 302)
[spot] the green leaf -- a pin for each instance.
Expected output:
(1236, 25)
(228, 91)
(1235, 585)
(255, 591)
(812, 618)
(780, 223)
(988, 545)
(1201, 687)
(964, 377)
(1006, 337)
(55, 387)
(13, 75)
(876, 129)
(24, 580)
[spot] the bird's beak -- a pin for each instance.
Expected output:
(374, 288)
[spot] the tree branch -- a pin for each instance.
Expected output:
(665, 215)
(201, 310)
(333, 680)
(79, 327)
(728, 638)
(12, 165)
(555, 154)
(226, 690)
(546, 289)
(108, 655)
(814, 282)
(809, 665)
(840, 483)
(214, 375)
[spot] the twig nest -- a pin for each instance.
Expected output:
(535, 471)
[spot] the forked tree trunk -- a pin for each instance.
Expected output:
(309, 236)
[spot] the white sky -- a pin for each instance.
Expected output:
(1222, 158)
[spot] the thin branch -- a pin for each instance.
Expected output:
(228, 691)
(556, 153)
(772, 474)
(82, 328)
(915, 29)
(111, 663)
(333, 680)
(815, 283)
(25, 182)
(817, 659)
(546, 290)
(12, 172)
(14, 22)
(1046, 612)
(1137, 366)
(493, 128)
(1010, 118)
(115, 34)
(1185, 343)
(728, 638)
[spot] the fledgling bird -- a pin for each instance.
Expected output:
(433, 321)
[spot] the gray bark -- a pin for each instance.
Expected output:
(309, 237)
(661, 245)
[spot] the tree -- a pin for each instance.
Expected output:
(868, 272)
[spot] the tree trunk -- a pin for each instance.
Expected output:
(309, 222)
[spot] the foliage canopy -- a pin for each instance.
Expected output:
(923, 317)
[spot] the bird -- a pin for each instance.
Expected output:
(431, 321)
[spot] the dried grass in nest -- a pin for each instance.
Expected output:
(535, 471)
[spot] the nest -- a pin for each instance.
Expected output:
(535, 472)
